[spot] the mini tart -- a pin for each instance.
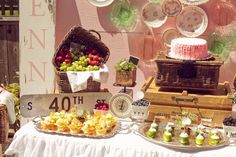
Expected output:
(184, 138)
(199, 140)
(101, 129)
(214, 140)
(151, 133)
(167, 136)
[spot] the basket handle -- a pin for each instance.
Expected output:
(98, 35)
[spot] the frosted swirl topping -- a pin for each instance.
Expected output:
(152, 129)
(183, 134)
(190, 41)
(154, 125)
(215, 137)
(200, 137)
(167, 133)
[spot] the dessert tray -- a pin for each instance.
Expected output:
(175, 144)
(109, 134)
(100, 3)
(192, 21)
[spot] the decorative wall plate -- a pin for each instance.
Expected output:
(194, 2)
(153, 16)
(192, 21)
(100, 3)
(171, 7)
(169, 35)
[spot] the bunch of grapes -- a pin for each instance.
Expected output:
(79, 59)
(102, 106)
(229, 121)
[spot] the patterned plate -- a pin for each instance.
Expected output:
(171, 7)
(169, 35)
(194, 2)
(192, 21)
(153, 16)
(100, 3)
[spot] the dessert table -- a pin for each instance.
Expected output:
(28, 142)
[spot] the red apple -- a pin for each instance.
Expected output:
(94, 51)
(68, 61)
(68, 56)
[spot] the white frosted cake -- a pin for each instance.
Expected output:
(189, 48)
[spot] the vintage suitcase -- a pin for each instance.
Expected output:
(207, 104)
(174, 73)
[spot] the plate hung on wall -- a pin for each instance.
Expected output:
(194, 2)
(171, 7)
(152, 15)
(169, 35)
(100, 3)
(192, 21)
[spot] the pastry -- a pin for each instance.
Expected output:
(167, 136)
(154, 125)
(184, 138)
(62, 125)
(151, 133)
(75, 126)
(214, 139)
(199, 139)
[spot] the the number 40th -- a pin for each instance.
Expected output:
(65, 104)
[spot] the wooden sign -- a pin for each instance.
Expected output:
(43, 104)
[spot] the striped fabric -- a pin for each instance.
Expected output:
(4, 124)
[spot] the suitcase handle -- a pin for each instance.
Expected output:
(174, 98)
(95, 32)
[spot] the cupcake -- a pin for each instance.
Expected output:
(75, 126)
(214, 139)
(199, 139)
(151, 132)
(62, 125)
(154, 125)
(48, 124)
(167, 136)
(184, 138)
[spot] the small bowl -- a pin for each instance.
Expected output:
(230, 131)
(139, 112)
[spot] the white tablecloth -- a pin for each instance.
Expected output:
(28, 142)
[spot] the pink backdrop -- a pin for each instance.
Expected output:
(122, 44)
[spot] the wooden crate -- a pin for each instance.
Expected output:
(211, 105)
(219, 99)
(173, 73)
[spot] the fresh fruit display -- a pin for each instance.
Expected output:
(78, 58)
(124, 65)
(229, 121)
(71, 123)
(102, 106)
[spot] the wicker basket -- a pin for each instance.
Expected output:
(203, 75)
(4, 124)
(80, 36)
(126, 78)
